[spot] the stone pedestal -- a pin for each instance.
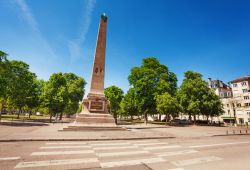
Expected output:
(95, 111)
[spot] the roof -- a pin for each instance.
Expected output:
(241, 79)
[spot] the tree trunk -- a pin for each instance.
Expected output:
(1, 110)
(131, 117)
(115, 116)
(159, 117)
(166, 120)
(146, 118)
(194, 118)
(29, 114)
(18, 114)
(189, 117)
(61, 114)
(50, 117)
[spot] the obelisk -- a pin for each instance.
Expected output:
(95, 105)
(98, 70)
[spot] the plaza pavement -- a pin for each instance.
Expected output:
(148, 147)
(42, 131)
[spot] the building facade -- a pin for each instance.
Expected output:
(241, 99)
(235, 99)
(224, 91)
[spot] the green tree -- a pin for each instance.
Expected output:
(75, 87)
(22, 82)
(114, 95)
(211, 105)
(128, 104)
(197, 98)
(33, 97)
(167, 105)
(56, 94)
(149, 80)
(4, 80)
(42, 107)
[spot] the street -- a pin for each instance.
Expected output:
(225, 152)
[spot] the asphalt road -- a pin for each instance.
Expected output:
(206, 153)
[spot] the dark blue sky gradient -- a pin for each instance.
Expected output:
(208, 36)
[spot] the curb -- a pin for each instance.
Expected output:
(242, 134)
(109, 139)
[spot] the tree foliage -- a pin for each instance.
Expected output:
(55, 94)
(153, 89)
(167, 105)
(149, 80)
(197, 98)
(20, 89)
(129, 105)
(114, 95)
(4, 74)
(75, 87)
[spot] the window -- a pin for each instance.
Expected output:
(238, 105)
(246, 97)
(227, 105)
(247, 104)
(244, 90)
(243, 83)
(235, 85)
(248, 113)
(228, 111)
(241, 120)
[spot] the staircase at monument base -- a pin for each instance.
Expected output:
(94, 122)
(93, 128)
(93, 118)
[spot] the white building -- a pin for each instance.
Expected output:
(241, 99)
(225, 93)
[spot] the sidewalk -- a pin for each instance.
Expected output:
(44, 131)
(50, 132)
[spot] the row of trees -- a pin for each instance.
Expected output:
(21, 90)
(153, 90)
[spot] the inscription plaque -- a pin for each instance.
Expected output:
(96, 105)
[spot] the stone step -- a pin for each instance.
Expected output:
(95, 120)
(95, 115)
(86, 128)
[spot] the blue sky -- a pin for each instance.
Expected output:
(208, 36)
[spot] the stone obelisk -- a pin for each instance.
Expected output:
(95, 105)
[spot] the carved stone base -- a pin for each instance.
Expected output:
(94, 112)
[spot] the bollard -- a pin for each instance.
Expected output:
(227, 132)
(240, 131)
(246, 131)
(233, 132)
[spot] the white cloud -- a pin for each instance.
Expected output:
(75, 45)
(30, 19)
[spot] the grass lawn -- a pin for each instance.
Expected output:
(142, 121)
(22, 117)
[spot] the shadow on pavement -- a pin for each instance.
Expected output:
(22, 124)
